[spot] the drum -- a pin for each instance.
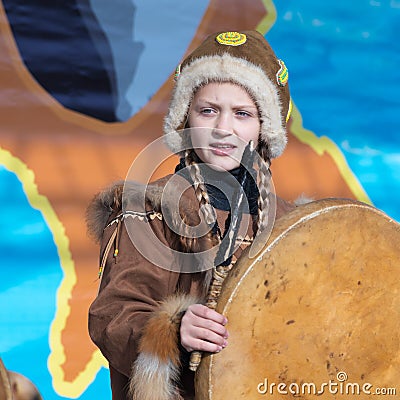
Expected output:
(5, 387)
(316, 312)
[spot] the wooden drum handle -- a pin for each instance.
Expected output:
(219, 275)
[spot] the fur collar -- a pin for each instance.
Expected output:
(152, 198)
(102, 206)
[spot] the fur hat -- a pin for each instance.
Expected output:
(244, 58)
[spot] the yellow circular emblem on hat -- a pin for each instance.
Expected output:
(231, 38)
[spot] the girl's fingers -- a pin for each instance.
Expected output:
(203, 329)
(198, 341)
(206, 322)
(199, 310)
(201, 345)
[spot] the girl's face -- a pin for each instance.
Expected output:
(231, 118)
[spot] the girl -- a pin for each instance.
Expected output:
(148, 315)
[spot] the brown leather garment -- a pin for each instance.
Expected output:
(132, 287)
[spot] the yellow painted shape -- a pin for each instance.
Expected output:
(323, 144)
(269, 20)
(57, 356)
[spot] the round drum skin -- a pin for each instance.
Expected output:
(316, 313)
(5, 387)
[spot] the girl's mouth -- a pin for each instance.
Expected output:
(222, 149)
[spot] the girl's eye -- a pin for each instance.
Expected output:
(206, 110)
(242, 113)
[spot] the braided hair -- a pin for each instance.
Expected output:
(191, 162)
(264, 187)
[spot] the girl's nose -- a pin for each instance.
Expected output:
(224, 124)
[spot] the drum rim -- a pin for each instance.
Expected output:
(282, 227)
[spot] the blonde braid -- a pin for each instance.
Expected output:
(199, 187)
(264, 189)
(205, 206)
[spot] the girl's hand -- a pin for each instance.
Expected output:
(203, 329)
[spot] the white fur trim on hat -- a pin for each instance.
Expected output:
(226, 68)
